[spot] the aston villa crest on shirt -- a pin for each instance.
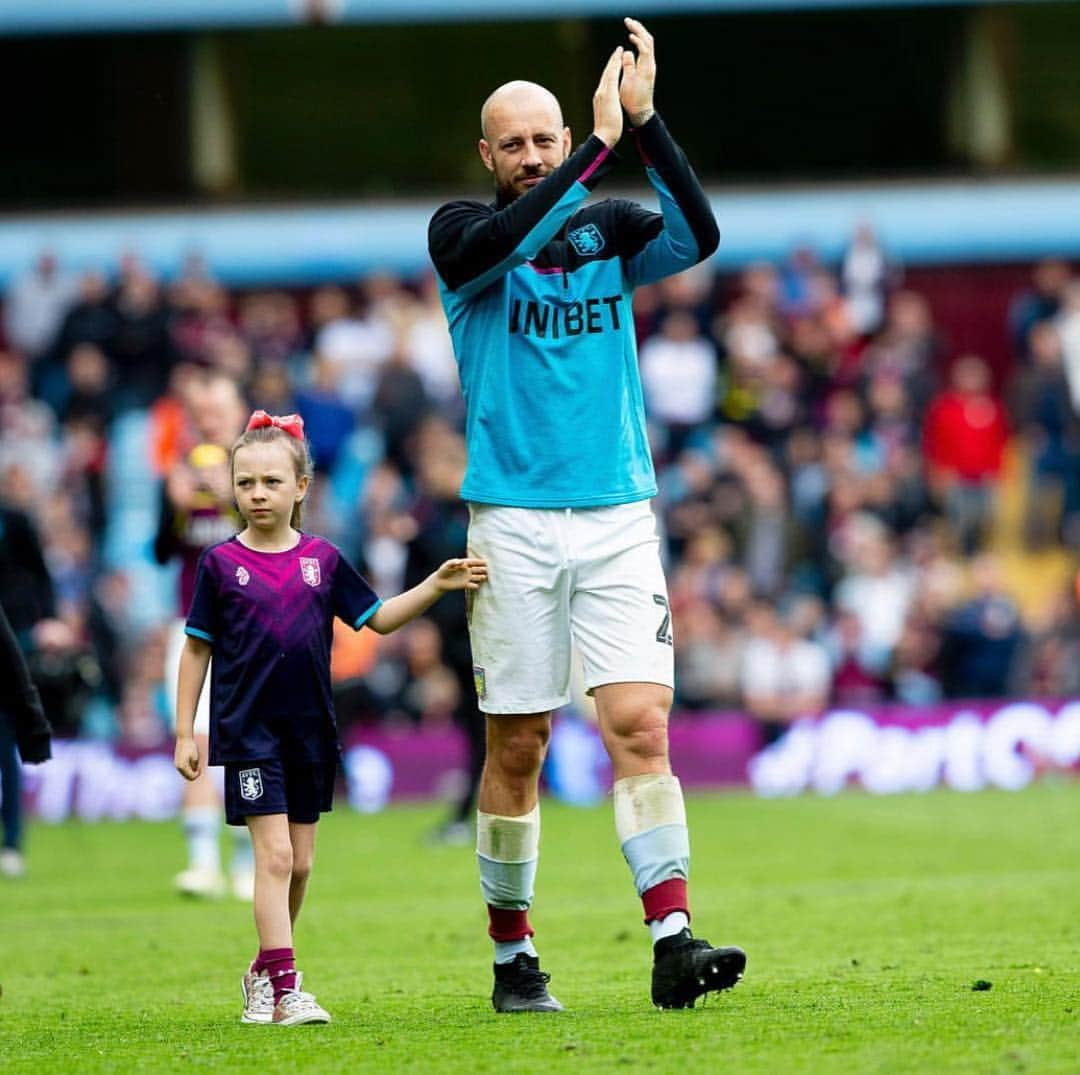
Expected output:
(586, 240)
(309, 570)
(243, 576)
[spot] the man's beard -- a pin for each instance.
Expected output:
(509, 190)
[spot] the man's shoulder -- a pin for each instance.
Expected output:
(447, 226)
(460, 207)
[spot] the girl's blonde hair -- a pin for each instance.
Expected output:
(299, 449)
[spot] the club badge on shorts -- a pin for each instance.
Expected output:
(480, 679)
(309, 570)
(251, 785)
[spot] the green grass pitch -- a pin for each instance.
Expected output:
(867, 922)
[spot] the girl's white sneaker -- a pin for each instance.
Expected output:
(258, 998)
(297, 1007)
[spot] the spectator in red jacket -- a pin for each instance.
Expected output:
(964, 440)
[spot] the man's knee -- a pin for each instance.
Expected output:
(516, 748)
(641, 732)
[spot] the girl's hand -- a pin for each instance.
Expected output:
(186, 759)
(461, 574)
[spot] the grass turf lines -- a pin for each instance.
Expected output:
(868, 923)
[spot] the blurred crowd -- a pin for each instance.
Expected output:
(830, 477)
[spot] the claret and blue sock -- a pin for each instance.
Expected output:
(507, 849)
(650, 819)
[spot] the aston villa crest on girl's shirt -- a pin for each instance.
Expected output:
(309, 570)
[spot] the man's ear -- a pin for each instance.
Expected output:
(567, 142)
(485, 154)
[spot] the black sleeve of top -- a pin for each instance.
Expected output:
(19, 699)
(467, 238)
(165, 544)
(660, 152)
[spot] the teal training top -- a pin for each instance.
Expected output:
(537, 292)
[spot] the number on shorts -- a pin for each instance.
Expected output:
(663, 632)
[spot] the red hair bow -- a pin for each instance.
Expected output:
(292, 424)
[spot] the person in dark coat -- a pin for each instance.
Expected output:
(24, 733)
(26, 596)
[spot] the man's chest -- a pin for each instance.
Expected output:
(553, 303)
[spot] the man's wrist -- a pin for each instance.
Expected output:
(609, 138)
(639, 119)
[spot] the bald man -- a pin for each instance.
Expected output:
(537, 290)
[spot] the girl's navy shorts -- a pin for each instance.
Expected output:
(301, 789)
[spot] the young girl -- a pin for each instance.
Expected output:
(264, 605)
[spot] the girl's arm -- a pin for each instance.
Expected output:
(194, 661)
(395, 612)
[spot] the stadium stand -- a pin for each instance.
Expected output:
(813, 499)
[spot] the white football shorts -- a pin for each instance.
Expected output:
(588, 579)
(174, 646)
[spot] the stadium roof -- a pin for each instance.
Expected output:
(929, 223)
(93, 16)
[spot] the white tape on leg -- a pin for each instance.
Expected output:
(508, 839)
(646, 802)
